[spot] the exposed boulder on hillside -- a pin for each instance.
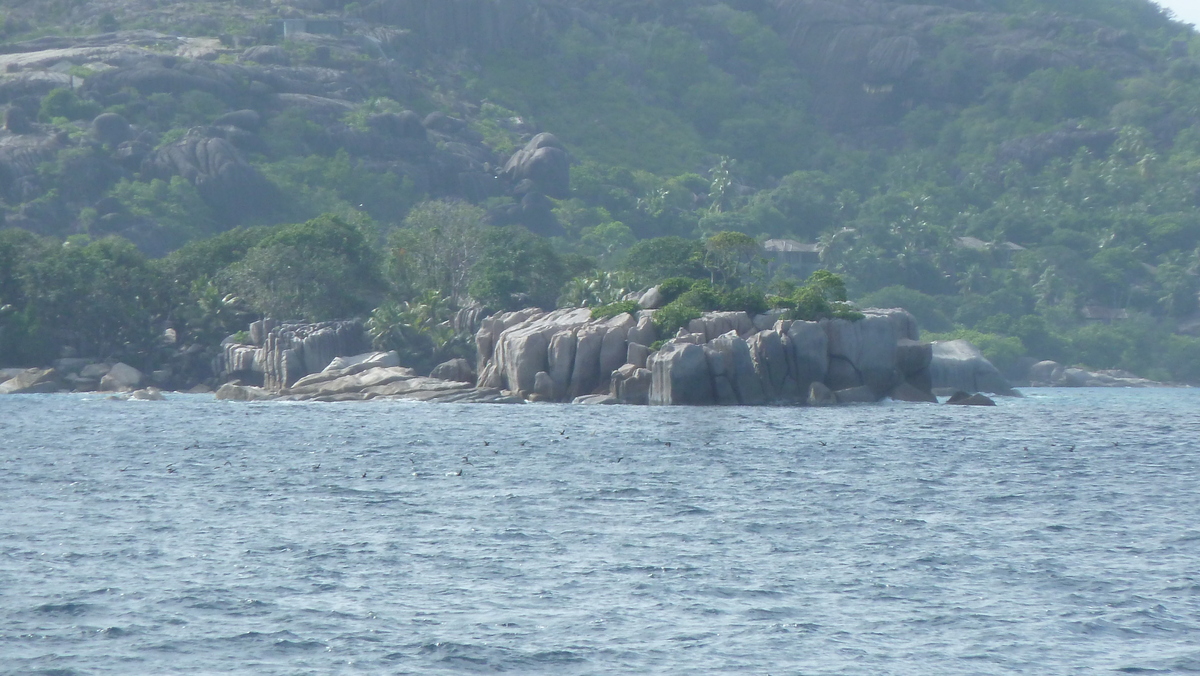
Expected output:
(226, 182)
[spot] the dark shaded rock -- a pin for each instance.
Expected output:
(270, 55)
(856, 395)
(438, 121)
(33, 381)
(907, 392)
(17, 121)
(961, 398)
(820, 395)
(544, 163)
(456, 370)
(250, 120)
(226, 182)
(401, 125)
(111, 129)
(148, 78)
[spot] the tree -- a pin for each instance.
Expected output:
(517, 269)
(101, 299)
(654, 260)
(436, 249)
(731, 255)
(319, 270)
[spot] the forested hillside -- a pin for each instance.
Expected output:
(1025, 173)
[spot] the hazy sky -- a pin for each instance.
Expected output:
(1187, 11)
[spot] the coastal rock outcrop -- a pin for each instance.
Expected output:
(32, 381)
(1053, 374)
(959, 365)
(720, 358)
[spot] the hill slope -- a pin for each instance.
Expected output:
(1003, 167)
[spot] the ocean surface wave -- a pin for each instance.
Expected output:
(1055, 534)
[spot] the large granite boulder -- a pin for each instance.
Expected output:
(679, 375)
(369, 359)
(863, 352)
(122, 378)
(959, 365)
(235, 190)
(457, 370)
(631, 385)
(544, 162)
(32, 381)
(740, 369)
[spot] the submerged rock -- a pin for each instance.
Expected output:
(963, 399)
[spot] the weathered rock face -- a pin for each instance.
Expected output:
(722, 358)
(959, 365)
(281, 354)
(680, 375)
(121, 378)
(457, 370)
(1053, 374)
(631, 385)
(32, 381)
(226, 182)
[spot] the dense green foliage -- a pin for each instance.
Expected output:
(1045, 211)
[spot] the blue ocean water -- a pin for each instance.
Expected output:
(1056, 534)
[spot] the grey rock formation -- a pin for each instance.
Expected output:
(637, 354)
(651, 300)
(679, 376)
(122, 378)
(964, 399)
(819, 394)
(863, 394)
(544, 388)
(959, 365)
(585, 375)
(232, 392)
(907, 392)
(32, 381)
(367, 359)
(595, 399)
(810, 353)
(741, 371)
(456, 370)
(1053, 374)
(292, 351)
(226, 182)
(544, 162)
(742, 365)
(111, 128)
(631, 385)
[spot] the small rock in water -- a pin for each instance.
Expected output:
(961, 398)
